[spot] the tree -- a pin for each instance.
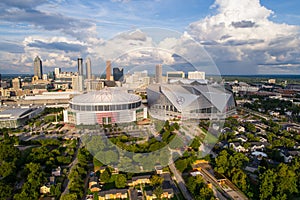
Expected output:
(250, 127)
(156, 180)
(205, 193)
(199, 189)
(196, 144)
(105, 176)
(181, 164)
(120, 181)
(287, 180)
(222, 164)
(69, 196)
(267, 184)
(158, 192)
(5, 191)
(239, 178)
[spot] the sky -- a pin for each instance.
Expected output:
(233, 36)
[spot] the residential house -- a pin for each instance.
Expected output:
(242, 138)
(167, 194)
(289, 155)
(137, 180)
(222, 144)
(56, 172)
(262, 139)
(226, 129)
(94, 184)
(113, 194)
(89, 197)
(257, 146)
(259, 155)
(135, 194)
(45, 189)
(293, 128)
(241, 129)
(237, 147)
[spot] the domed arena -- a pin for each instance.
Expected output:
(107, 106)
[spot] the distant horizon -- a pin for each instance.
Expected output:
(165, 74)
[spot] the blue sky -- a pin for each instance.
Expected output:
(240, 36)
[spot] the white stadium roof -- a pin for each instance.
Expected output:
(106, 96)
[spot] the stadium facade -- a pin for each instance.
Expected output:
(107, 106)
(189, 99)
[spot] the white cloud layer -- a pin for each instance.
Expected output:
(241, 32)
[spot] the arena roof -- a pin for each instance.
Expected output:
(185, 95)
(106, 96)
(14, 113)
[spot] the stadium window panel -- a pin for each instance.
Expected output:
(100, 108)
(124, 106)
(119, 107)
(113, 107)
(88, 108)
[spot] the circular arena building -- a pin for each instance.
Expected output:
(107, 106)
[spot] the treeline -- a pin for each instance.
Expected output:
(276, 183)
(281, 182)
(199, 189)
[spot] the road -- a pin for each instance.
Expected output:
(180, 182)
(72, 165)
(254, 113)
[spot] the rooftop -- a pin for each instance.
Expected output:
(106, 96)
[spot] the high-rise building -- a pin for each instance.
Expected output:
(88, 68)
(196, 75)
(108, 70)
(158, 74)
(118, 74)
(57, 71)
(80, 67)
(38, 69)
(45, 77)
(175, 75)
(77, 83)
(16, 83)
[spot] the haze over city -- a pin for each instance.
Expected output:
(241, 37)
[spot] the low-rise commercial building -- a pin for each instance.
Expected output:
(16, 117)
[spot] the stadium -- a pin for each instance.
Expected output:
(189, 99)
(107, 106)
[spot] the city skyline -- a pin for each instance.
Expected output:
(241, 37)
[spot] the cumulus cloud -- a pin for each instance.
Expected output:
(77, 36)
(243, 24)
(242, 32)
(56, 44)
(18, 11)
(11, 47)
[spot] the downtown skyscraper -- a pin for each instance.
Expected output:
(38, 69)
(80, 67)
(88, 66)
(118, 74)
(158, 74)
(108, 70)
